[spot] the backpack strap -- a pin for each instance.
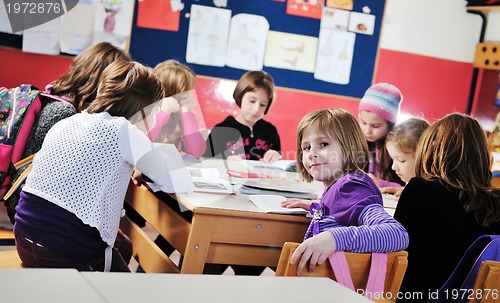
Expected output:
(60, 99)
(376, 277)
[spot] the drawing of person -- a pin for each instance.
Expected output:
(111, 7)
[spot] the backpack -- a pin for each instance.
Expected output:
(19, 107)
(460, 284)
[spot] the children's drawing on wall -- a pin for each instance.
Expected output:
(335, 19)
(113, 22)
(335, 53)
(305, 8)
(159, 14)
(207, 35)
(247, 42)
(220, 3)
(111, 7)
(291, 51)
(342, 4)
(77, 27)
(362, 23)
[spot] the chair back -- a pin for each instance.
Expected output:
(359, 266)
(495, 179)
(487, 283)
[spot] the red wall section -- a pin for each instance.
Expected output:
(430, 86)
(19, 67)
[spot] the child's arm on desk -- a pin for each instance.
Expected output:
(300, 203)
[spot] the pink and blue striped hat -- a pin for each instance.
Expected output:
(383, 99)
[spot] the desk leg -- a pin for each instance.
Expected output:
(198, 244)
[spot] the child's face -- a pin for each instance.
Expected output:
(322, 157)
(373, 126)
(402, 163)
(253, 107)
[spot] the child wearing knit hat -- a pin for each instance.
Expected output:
(378, 111)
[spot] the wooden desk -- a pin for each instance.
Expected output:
(46, 285)
(130, 287)
(223, 230)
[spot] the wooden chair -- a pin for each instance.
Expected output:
(10, 259)
(487, 283)
(359, 266)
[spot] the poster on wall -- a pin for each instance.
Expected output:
(77, 27)
(362, 23)
(113, 22)
(207, 35)
(342, 4)
(247, 42)
(335, 53)
(305, 8)
(291, 51)
(334, 19)
(158, 14)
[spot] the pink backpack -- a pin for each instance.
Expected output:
(19, 107)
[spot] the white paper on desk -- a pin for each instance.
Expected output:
(207, 173)
(272, 204)
(390, 201)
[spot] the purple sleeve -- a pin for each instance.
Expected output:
(377, 232)
(160, 120)
(194, 143)
(352, 195)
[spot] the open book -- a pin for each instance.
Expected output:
(288, 165)
(282, 187)
(272, 204)
(390, 201)
(205, 180)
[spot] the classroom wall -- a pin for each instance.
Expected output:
(426, 49)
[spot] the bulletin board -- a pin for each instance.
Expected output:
(151, 46)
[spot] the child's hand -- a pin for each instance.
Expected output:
(294, 202)
(396, 191)
(170, 105)
(271, 156)
(374, 178)
(315, 250)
